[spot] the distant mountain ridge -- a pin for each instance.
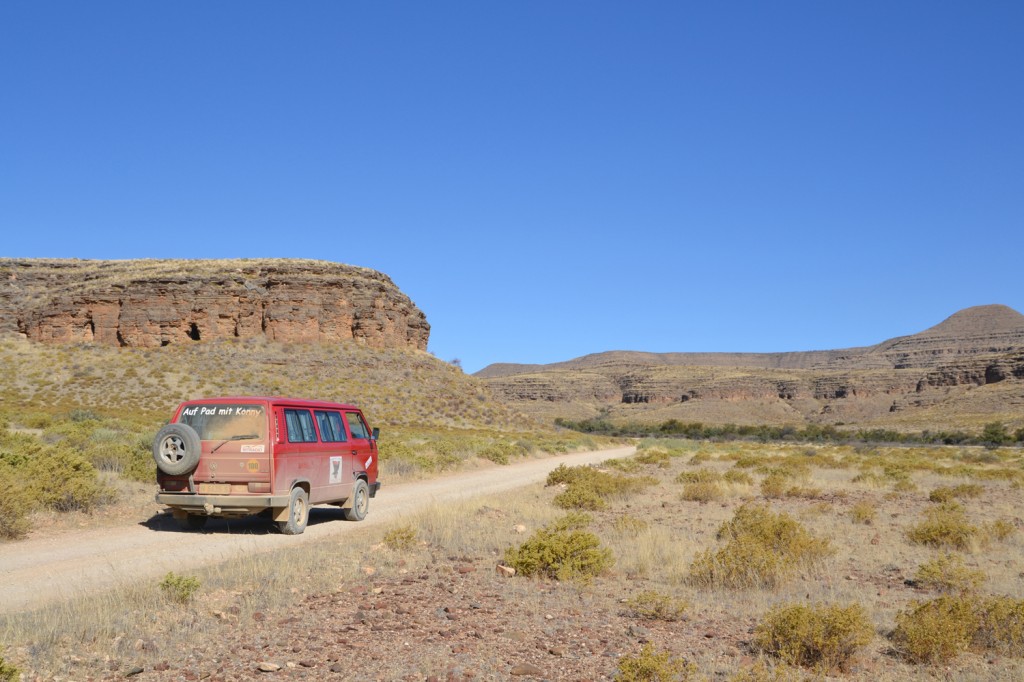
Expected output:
(980, 329)
(920, 379)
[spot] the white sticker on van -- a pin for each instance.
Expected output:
(367, 463)
(253, 448)
(335, 471)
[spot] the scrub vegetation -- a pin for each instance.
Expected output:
(77, 422)
(650, 586)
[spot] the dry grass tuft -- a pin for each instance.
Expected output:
(826, 637)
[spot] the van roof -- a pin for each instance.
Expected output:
(273, 401)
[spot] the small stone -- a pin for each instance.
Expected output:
(377, 590)
(520, 528)
(338, 668)
(505, 571)
(258, 616)
(369, 570)
(268, 667)
(557, 651)
(135, 671)
(526, 669)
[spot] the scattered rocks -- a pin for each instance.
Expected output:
(521, 669)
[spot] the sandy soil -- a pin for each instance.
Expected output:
(63, 565)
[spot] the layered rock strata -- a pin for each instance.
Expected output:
(152, 303)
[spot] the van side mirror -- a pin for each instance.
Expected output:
(376, 434)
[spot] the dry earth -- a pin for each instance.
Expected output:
(439, 611)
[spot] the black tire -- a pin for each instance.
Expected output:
(360, 502)
(194, 522)
(298, 513)
(176, 449)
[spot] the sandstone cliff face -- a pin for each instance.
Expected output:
(977, 348)
(152, 303)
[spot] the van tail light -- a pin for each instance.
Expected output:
(259, 487)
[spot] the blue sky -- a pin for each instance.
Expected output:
(544, 179)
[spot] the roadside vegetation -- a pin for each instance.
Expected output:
(77, 422)
(992, 435)
(846, 583)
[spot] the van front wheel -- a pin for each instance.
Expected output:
(298, 513)
(360, 502)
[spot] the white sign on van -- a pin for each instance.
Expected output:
(253, 448)
(335, 473)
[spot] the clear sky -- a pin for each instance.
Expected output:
(544, 179)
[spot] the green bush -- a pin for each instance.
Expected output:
(653, 666)
(737, 477)
(580, 496)
(947, 573)
(774, 486)
(179, 588)
(823, 636)
(562, 551)
(652, 605)
(15, 505)
(944, 526)
(762, 550)
(8, 673)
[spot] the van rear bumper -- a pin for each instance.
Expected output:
(221, 504)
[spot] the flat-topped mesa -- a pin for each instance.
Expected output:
(152, 303)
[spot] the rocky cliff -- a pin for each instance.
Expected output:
(966, 369)
(152, 303)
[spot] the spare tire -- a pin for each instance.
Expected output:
(176, 449)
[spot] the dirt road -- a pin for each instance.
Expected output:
(34, 572)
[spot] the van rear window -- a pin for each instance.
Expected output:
(217, 421)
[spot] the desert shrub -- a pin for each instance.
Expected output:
(804, 492)
(762, 549)
(822, 636)
(863, 512)
(562, 551)
(401, 538)
(947, 573)
(8, 673)
(580, 496)
(701, 492)
(944, 526)
(653, 605)
(1000, 625)
(737, 477)
(629, 524)
(945, 493)
(589, 487)
(179, 588)
(15, 505)
(625, 465)
(655, 456)
(773, 486)
(1000, 530)
(699, 458)
(653, 666)
(938, 630)
(699, 476)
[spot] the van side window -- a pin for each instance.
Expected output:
(300, 426)
(356, 425)
(331, 430)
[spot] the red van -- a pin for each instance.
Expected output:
(242, 455)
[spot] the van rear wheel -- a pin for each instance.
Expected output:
(298, 513)
(360, 502)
